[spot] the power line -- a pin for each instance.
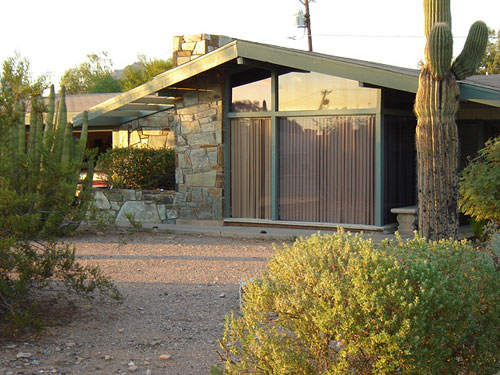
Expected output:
(385, 36)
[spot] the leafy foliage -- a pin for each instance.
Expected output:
(92, 76)
(491, 60)
(341, 305)
(139, 168)
(143, 71)
(38, 178)
(480, 184)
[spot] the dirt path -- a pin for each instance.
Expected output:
(177, 292)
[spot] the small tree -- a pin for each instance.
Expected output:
(143, 71)
(491, 60)
(92, 76)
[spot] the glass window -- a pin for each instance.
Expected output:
(251, 168)
(315, 91)
(252, 97)
(327, 169)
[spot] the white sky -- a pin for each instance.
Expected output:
(55, 35)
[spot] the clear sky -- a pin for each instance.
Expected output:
(55, 35)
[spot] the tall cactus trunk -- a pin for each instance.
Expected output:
(436, 106)
(437, 156)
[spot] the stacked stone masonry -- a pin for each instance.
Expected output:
(190, 47)
(199, 150)
(155, 131)
(121, 206)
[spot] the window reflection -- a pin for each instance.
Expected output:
(252, 97)
(315, 91)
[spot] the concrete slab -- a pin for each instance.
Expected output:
(263, 233)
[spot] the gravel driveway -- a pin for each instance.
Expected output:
(177, 290)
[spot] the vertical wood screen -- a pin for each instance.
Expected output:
(327, 169)
(251, 168)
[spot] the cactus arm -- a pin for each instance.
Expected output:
(62, 122)
(33, 128)
(21, 146)
(66, 147)
(436, 11)
(82, 144)
(469, 60)
(51, 110)
(440, 50)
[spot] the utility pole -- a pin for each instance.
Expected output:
(307, 18)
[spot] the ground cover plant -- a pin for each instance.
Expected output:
(341, 305)
(38, 182)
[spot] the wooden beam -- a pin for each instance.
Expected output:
(154, 100)
(120, 113)
(144, 107)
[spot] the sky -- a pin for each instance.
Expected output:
(55, 35)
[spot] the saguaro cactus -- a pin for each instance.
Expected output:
(436, 106)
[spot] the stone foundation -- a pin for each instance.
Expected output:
(142, 206)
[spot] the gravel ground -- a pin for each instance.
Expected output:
(177, 289)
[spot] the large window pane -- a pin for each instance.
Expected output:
(252, 97)
(251, 168)
(327, 169)
(315, 91)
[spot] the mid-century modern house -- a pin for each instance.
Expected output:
(272, 135)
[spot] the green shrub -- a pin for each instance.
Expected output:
(480, 184)
(139, 168)
(341, 305)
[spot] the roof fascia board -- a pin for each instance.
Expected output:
(476, 93)
(325, 65)
(163, 80)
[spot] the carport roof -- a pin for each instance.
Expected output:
(149, 98)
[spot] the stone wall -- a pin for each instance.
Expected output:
(155, 131)
(199, 150)
(190, 47)
(144, 206)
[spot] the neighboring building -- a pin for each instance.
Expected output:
(272, 135)
(100, 137)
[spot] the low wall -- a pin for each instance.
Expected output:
(144, 206)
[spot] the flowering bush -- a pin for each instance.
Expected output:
(342, 305)
(139, 168)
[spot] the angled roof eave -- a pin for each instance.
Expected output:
(161, 81)
(363, 71)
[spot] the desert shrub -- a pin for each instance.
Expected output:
(480, 184)
(139, 168)
(38, 182)
(341, 305)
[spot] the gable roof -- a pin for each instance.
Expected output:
(144, 100)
